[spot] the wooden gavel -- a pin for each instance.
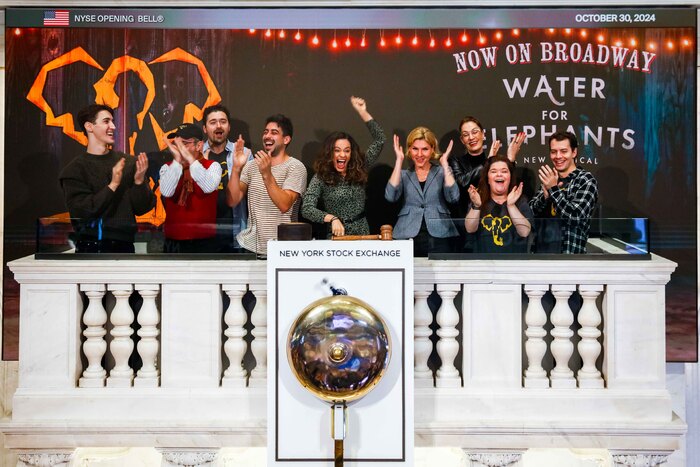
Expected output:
(384, 234)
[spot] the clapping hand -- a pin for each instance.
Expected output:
(514, 194)
(117, 172)
(141, 168)
(185, 153)
(177, 157)
(514, 146)
(445, 156)
(264, 163)
(239, 156)
(474, 196)
(398, 150)
(495, 146)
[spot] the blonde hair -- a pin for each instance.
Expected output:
(426, 134)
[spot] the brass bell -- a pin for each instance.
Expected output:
(339, 348)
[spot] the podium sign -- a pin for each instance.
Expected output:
(379, 426)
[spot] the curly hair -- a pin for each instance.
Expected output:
(484, 189)
(356, 173)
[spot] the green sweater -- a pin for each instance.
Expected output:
(97, 212)
(345, 201)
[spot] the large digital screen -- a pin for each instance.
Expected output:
(622, 80)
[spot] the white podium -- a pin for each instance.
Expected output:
(380, 425)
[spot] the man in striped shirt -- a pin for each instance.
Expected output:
(274, 182)
(568, 193)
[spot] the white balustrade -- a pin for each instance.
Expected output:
(95, 344)
(535, 346)
(121, 346)
(589, 348)
(235, 346)
(447, 346)
(422, 346)
(562, 348)
(504, 405)
(148, 347)
(259, 344)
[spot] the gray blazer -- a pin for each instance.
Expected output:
(429, 203)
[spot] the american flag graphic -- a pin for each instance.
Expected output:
(56, 18)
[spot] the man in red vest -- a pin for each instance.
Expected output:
(189, 185)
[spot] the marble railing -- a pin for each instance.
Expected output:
(509, 355)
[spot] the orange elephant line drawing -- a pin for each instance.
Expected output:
(106, 94)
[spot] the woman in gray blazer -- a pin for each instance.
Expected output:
(426, 190)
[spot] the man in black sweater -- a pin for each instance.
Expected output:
(104, 189)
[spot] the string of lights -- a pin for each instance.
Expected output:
(428, 38)
(418, 38)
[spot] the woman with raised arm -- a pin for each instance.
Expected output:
(499, 214)
(336, 194)
(427, 188)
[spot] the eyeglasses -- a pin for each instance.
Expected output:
(474, 132)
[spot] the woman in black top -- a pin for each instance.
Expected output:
(499, 214)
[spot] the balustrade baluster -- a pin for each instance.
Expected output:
(259, 344)
(95, 346)
(235, 346)
(589, 347)
(562, 347)
(535, 346)
(121, 347)
(447, 346)
(148, 346)
(422, 346)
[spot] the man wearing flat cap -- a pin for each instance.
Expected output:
(189, 185)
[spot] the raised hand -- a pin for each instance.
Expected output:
(360, 107)
(514, 194)
(239, 156)
(398, 150)
(185, 153)
(141, 168)
(514, 146)
(495, 147)
(445, 155)
(173, 149)
(117, 172)
(474, 196)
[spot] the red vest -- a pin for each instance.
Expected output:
(195, 220)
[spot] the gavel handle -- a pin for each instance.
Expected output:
(357, 237)
(385, 233)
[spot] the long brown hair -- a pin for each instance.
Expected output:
(356, 172)
(484, 188)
